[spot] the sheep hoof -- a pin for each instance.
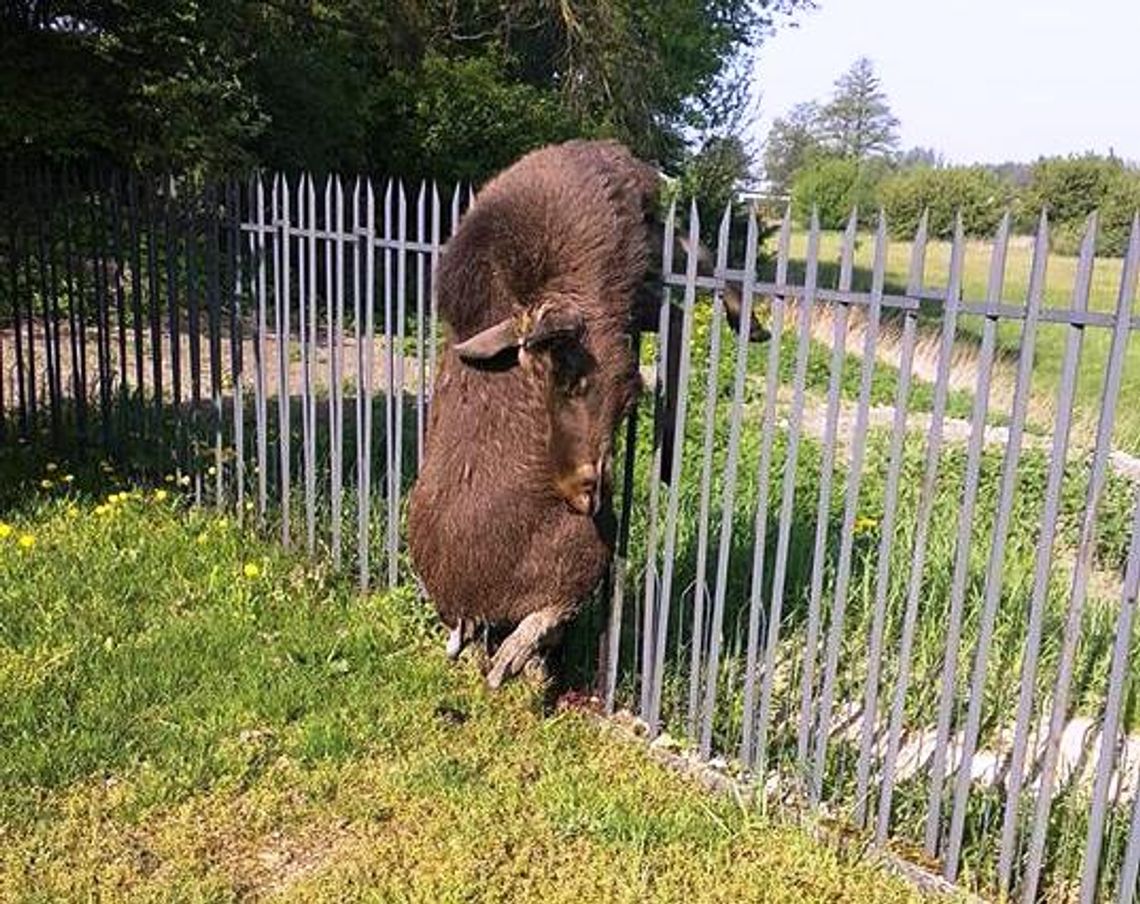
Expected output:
(533, 632)
(454, 643)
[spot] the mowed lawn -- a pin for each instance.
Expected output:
(187, 713)
(1060, 276)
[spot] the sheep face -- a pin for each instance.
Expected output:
(582, 406)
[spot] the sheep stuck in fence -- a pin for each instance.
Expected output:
(549, 275)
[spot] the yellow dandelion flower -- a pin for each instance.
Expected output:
(102, 510)
(51, 466)
(211, 470)
(46, 484)
(251, 570)
(68, 478)
(249, 505)
(160, 495)
(26, 541)
(113, 499)
(203, 538)
(72, 511)
(184, 480)
(865, 525)
(169, 478)
(5, 530)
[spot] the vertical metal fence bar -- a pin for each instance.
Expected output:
(194, 329)
(302, 233)
(303, 266)
(651, 589)
(77, 318)
(670, 549)
(115, 251)
(216, 367)
(850, 509)
(1111, 724)
(795, 428)
(261, 360)
(233, 254)
(282, 294)
(433, 316)
(1130, 865)
(701, 597)
(621, 557)
(151, 199)
(389, 383)
(886, 541)
(310, 371)
(17, 326)
(30, 318)
(823, 509)
(135, 251)
(369, 345)
(925, 510)
(421, 360)
(103, 355)
(358, 335)
(760, 524)
(47, 296)
(962, 550)
(993, 584)
(170, 237)
(334, 204)
(1079, 586)
(396, 387)
(728, 499)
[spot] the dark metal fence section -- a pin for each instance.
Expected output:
(900, 595)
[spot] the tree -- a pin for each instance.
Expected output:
(858, 122)
(417, 87)
(792, 141)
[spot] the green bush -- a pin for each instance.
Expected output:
(1070, 188)
(835, 186)
(975, 191)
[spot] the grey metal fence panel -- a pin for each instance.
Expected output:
(1079, 587)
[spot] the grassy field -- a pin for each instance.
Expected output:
(1059, 280)
(187, 713)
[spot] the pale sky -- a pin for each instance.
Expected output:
(978, 80)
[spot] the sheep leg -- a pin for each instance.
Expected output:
(537, 630)
(459, 637)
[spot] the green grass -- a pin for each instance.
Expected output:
(187, 712)
(1060, 276)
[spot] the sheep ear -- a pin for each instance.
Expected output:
(555, 322)
(491, 342)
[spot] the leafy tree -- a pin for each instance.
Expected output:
(415, 86)
(857, 121)
(835, 186)
(792, 141)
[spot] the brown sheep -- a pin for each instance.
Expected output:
(510, 521)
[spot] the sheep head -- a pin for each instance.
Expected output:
(550, 344)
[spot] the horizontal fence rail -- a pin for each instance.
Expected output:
(889, 572)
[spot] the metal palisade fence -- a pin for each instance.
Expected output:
(889, 572)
